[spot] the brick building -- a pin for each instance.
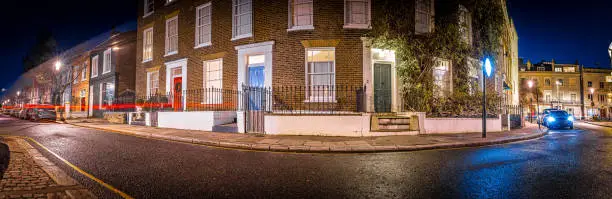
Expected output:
(187, 45)
(80, 81)
(112, 72)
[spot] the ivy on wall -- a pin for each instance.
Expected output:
(394, 30)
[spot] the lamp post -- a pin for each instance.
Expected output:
(485, 73)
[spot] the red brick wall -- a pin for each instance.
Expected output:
(270, 24)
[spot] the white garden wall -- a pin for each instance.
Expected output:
(203, 121)
(322, 125)
(460, 125)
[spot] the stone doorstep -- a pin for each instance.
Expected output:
(54, 172)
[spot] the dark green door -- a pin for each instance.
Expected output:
(382, 88)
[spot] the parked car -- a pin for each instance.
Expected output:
(23, 114)
(43, 114)
(559, 119)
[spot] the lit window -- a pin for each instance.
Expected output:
(94, 66)
(172, 36)
(441, 75)
(301, 14)
(569, 69)
(106, 64)
(357, 13)
(465, 24)
(321, 74)
(424, 16)
(547, 82)
(558, 69)
(148, 7)
(84, 72)
(147, 49)
(107, 91)
(213, 82)
(152, 83)
(541, 69)
(203, 25)
(242, 19)
(170, 1)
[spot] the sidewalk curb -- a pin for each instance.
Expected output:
(321, 149)
(598, 124)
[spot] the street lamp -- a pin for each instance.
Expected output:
(58, 65)
(485, 73)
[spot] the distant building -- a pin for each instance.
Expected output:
(568, 87)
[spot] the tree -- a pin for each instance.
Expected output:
(44, 48)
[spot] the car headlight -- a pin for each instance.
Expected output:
(570, 118)
(550, 119)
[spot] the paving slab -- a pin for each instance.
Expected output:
(322, 144)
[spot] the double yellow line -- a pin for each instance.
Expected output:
(106, 185)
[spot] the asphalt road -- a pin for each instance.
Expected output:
(563, 164)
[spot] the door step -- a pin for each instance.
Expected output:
(226, 128)
(390, 123)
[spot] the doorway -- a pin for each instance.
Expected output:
(382, 87)
(177, 92)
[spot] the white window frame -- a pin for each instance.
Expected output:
(149, 81)
(292, 16)
(309, 97)
(94, 66)
(465, 24)
(234, 15)
(347, 15)
(447, 80)
(198, 43)
(145, 45)
(167, 50)
(84, 72)
(106, 63)
(430, 13)
(211, 98)
(146, 2)
(75, 73)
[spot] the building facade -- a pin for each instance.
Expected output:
(80, 84)
(583, 92)
(112, 73)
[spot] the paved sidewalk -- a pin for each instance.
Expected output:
(317, 144)
(31, 175)
(604, 124)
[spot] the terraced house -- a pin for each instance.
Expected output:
(268, 66)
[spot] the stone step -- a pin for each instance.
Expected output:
(393, 121)
(394, 127)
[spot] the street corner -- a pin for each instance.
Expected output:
(31, 175)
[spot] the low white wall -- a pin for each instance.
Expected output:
(322, 125)
(461, 125)
(203, 121)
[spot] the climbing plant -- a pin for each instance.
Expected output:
(416, 54)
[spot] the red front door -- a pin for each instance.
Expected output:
(82, 104)
(178, 90)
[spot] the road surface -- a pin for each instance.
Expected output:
(563, 164)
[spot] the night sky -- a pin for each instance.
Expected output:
(547, 28)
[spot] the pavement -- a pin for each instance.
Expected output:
(317, 144)
(31, 175)
(600, 123)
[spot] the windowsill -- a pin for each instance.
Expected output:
(145, 61)
(147, 14)
(242, 36)
(321, 100)
(105, 72)
(300, 28)
(357, 26)
(171, 53)
(93, 76)
(203, 45)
